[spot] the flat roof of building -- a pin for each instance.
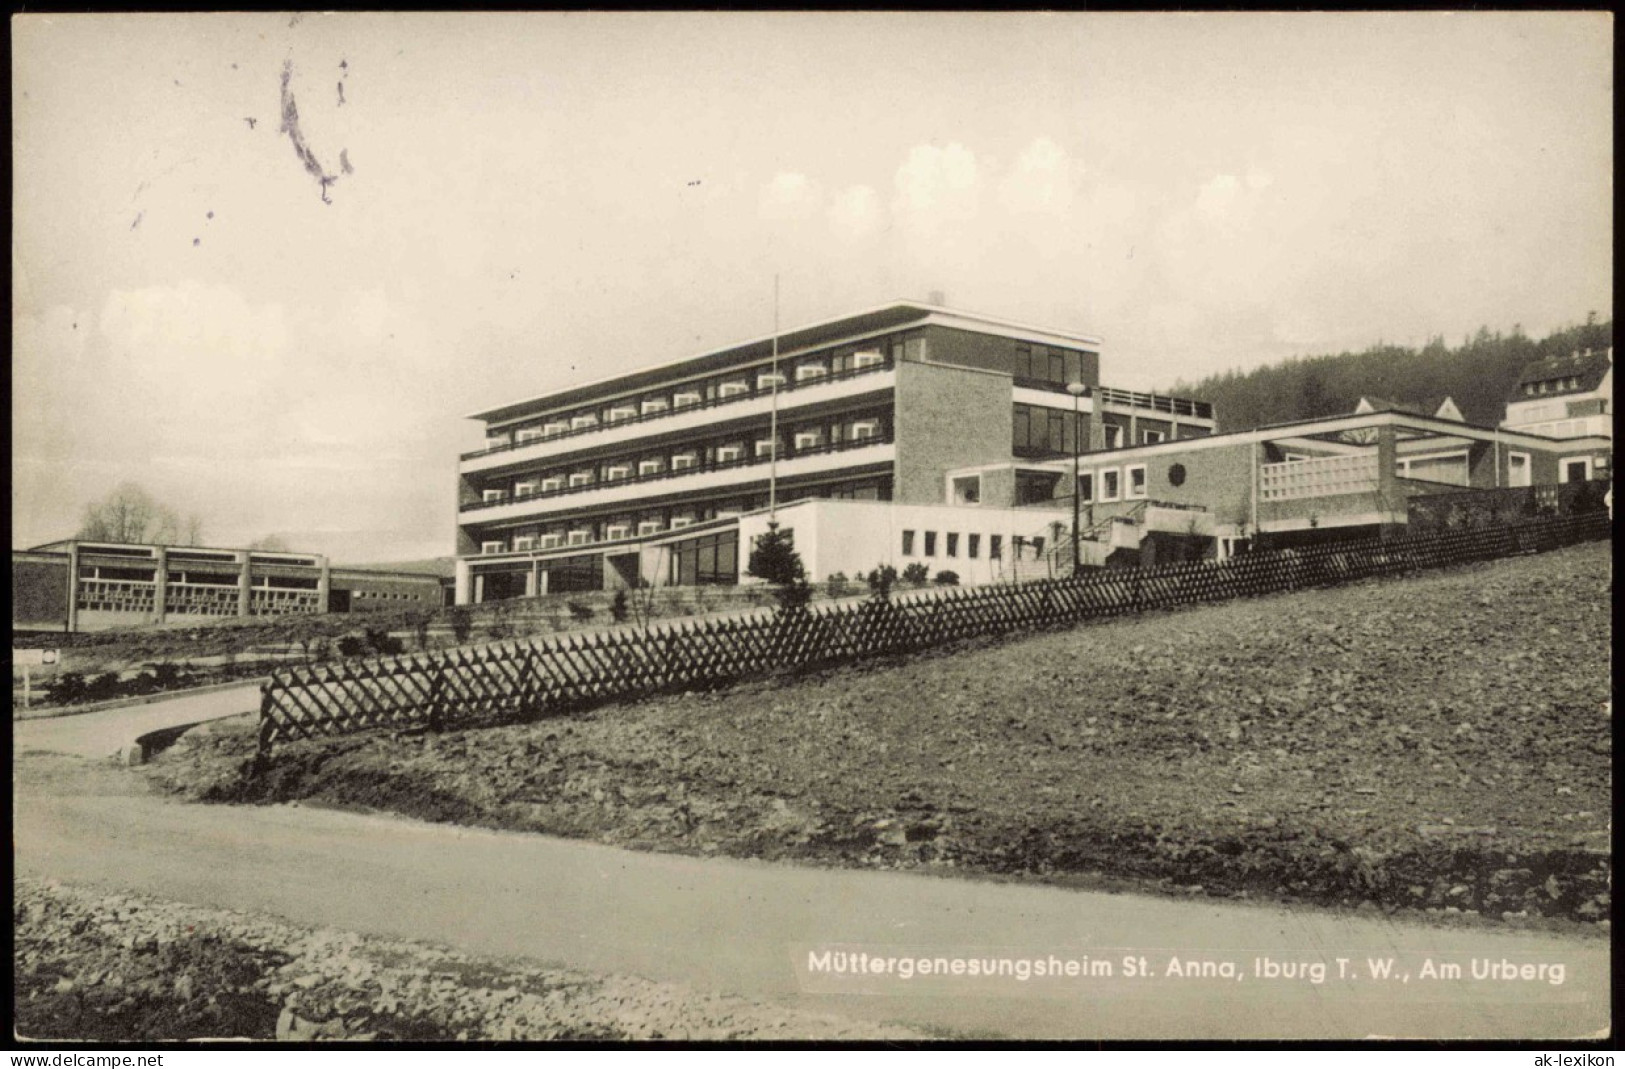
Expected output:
(889, 316)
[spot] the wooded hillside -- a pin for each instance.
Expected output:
(1480, 374)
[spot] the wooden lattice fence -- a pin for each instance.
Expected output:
(522, 680)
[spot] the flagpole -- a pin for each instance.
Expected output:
(773, 424)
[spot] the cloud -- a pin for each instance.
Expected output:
(855, 212)
(788, 196)
(938, 184)
(1041, 180)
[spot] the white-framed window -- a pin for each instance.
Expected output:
(491, 497)
(733, 388)
(813, 370)
(551, 541)
(685, 398)
(523, 543)
(527, 434)
(620, 414)
(617, 471)
(583, 421)
(1151, 437)
(617, 531)
(768, 379)
(867, 358)
(650, 467)
(651, 405)
(681, 521)
(579, 537)
(493, 547)
(679, 461)
(1086, 486)
(809, 439)
(764, 447)
(1519, 471)
(965, 490)
(1135, 473)
(865, 428)
(526, 488)
(555, 426)
(580, 478)
(1110, 484)
(727, 454)
(1574, 469)
(648, 527)
(552, 484)
(1450, 468)
(1114, 436)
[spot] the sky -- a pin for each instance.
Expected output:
(265, 265)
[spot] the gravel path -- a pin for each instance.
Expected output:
(107, 966)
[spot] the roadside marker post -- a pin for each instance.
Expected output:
(29, 658)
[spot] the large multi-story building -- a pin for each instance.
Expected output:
(644, 477)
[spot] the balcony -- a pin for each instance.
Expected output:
(1106, 395)
(702, 477)
(1320, 477)
(836, 386)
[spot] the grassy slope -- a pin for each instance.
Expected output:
(1440, 742)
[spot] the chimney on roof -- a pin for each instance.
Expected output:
(938, 298)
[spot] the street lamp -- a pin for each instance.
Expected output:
(1077, 390)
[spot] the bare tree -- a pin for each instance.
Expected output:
(131, 514)
(271, 543)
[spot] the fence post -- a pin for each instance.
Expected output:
(437, 713)
(267, 731)
(527, 687)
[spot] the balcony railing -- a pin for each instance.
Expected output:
(1319, 477)
(1156, 402)
(678, 410)
(694, 469)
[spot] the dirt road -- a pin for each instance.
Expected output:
(756, 929)
(107, 731)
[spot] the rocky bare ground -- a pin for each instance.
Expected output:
(1437, 743)
(118, 967)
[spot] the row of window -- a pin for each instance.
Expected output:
(658, 521)
(386, 595)
(710, 560)
(801, 439)
(1535, 389)
(745, 382)
(950, 544)
(1113, 484)
(1041, 431)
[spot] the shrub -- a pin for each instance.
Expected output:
(579, 612)
(916, 573)
(352, 646)
(839, 585)
(462, 623)
(107, 685)
(618, 608)
(66, 689)
(420, 628)
(166, 675)
(946, 578)
(881, 581)
(381, 641)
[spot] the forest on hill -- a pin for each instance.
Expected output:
(1480, 374)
